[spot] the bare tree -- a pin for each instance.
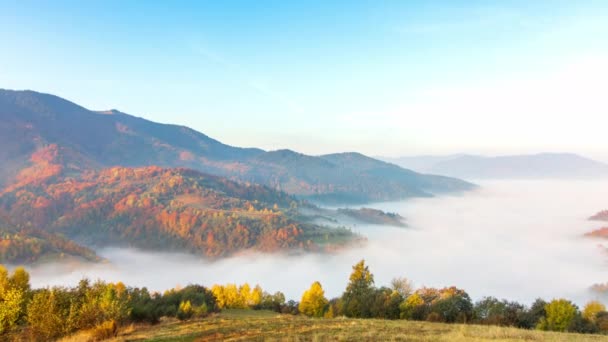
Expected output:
(403, 286)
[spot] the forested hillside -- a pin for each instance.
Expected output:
(165, 209)
(29, 245)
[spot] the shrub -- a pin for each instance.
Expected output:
(185, 311)
(200, 311)
(104, 331)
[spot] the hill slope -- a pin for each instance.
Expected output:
(249, 325)
(22, 246)
(30, 122)
(165, 209)
(544, 165)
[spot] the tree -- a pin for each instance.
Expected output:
(359, 292)
(412, 307)
(601, 319)
(490, 310)
(185, 310)
(14, 293)
(592, 309)
(255, 299)
(313, 301)
(532, 317)
(45, 315)
(291, 307)
(102, 302)
(10, 309)
(272, 302)
(560, 315)
(456, 307)
(386, 303)
(220, 295)
(4, 284)
(244, 296)
(403, 286)
(20, 280)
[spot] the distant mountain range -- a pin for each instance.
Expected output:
(89, 140)
(536, 166)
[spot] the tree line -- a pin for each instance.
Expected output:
(102, 308)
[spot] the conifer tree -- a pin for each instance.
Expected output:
(359, 292)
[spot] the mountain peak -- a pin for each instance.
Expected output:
(110, 112)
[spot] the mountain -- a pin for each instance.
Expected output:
(33, 124)
(600, 216)
(157, 208)
(419, 163)
(31, 121)
(544, 165)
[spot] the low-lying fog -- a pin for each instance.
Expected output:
(510, 239)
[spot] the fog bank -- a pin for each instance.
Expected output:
(513, 239)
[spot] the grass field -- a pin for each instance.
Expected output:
(248, 325)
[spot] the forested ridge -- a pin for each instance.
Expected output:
(28, 245)
(165, 209)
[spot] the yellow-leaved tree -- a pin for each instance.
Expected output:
(592, 309)
(13, 293)
(313, 301)
(256, 297)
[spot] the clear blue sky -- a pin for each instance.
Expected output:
(380, 77)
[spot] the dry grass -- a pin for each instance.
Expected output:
(246, 325)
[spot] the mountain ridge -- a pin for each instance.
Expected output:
(33, 121)
(526, 166)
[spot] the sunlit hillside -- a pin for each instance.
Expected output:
(243, 325)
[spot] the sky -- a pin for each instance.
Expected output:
(380, 77)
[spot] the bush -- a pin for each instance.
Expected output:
(434, 317)
(601, 319)
(291, 307)
(46, 315)
(185, 311)
(413, 307)
(200, 311)
(104, 331)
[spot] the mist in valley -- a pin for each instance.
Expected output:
(511, 239)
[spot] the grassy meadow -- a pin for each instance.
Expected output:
(249, 325)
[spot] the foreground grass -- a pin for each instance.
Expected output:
(248, 325)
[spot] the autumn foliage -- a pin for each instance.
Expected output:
(158, 208)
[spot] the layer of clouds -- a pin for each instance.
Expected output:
(514, 239)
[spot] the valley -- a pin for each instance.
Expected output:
(303, 171)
